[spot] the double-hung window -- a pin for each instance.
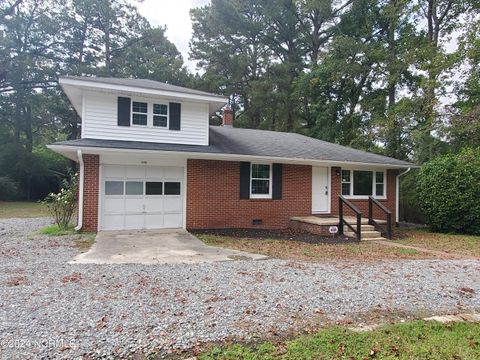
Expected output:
(379, 183)
(261, 181)
(160, 115)
(139, 113)
(362, 183)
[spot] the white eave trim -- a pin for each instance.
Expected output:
(226, 157)
(134, 89)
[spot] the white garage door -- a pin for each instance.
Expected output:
(141, 197)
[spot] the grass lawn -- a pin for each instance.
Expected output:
(83, 240)
(298, 250)
(413, 340)
(13, 209)
(452, 243)
(54, 230)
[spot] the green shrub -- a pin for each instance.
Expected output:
(8, 188)
(410, 209)
(62, 205)
(449, 192)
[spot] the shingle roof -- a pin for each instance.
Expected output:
(262, 143)
(290, 145)
(141, 83)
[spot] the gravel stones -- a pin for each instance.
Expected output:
(52, 309)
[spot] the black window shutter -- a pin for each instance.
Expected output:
(244, 180)
(174, 114)
(123, 111)
(277, 171)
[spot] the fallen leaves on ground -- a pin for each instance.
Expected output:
(298, 250)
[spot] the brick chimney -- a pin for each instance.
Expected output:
(227, 117)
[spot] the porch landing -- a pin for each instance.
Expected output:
(330, 220)
(320, 225)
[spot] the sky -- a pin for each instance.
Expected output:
(175, 14)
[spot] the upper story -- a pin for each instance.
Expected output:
(141, 110)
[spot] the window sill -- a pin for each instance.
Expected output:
(358, 197)
(259, 199)
(149, 126)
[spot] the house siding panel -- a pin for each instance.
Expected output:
(100, 122)
(213, 197)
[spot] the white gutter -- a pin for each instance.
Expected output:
(80, 190)
(397, 195)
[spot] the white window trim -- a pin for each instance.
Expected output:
(149, 114)
(135, 112)
(167, 115)
(261, 196)
(374, 188)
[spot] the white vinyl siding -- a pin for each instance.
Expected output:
(100, 122)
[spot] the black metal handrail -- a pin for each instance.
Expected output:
(387, 229)
(358, 213)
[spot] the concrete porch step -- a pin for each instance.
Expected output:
(363, 227)
(373, 238)
(365, 234)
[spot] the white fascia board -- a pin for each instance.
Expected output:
(75, 95)
(225, 157)
(133, 89)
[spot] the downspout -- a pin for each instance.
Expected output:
(397, 197)
(80, 191)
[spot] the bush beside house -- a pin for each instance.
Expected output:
(449, 192)
(62, 205)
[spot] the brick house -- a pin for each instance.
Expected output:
(149, 159)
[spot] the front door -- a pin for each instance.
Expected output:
(320, 190)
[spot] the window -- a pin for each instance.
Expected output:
(153, 188)
(113, 187)
(379, 183)
(361, 183)
(139, 113)
(160, 115)
(134, 188)
(260, 181)
(346, 182)
(172, 188)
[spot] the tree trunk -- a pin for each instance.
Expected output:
(107, 46)
(28, 129)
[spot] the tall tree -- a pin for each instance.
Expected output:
(42, 39)
(441, 18)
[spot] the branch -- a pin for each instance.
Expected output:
(4, 90)
(9, 10)
(445, 12)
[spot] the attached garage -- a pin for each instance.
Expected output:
(141, 197)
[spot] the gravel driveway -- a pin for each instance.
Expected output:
(49, 308)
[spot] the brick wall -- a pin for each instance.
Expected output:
(213, 197)
(90, 192)
(389, 202)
